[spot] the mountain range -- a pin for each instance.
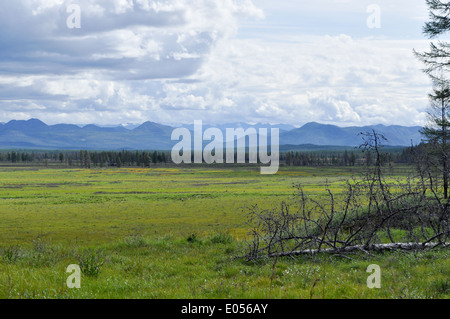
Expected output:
(35, 134)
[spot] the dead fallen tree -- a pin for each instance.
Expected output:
(371, 215)
(310, 226)
(373, 248)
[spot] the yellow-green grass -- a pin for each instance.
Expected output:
(173, 233)
(102, 205)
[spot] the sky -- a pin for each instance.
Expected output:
(116, 62)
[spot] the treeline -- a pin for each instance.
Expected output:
(88, 159)
(345, 158)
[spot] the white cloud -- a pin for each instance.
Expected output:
(177, 61)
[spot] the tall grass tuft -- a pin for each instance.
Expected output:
(11, 254)
(136, 241)
(91, 263)
(221, 238)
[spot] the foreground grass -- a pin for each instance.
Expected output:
(204, 267)
(174, 233)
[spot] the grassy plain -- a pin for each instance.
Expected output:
(173, 232)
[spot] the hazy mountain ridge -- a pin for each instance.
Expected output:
(325, 134)
(35, 134)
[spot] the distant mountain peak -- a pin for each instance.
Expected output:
(32, 123)
(315, 124)
(148, 125)
(150, 135)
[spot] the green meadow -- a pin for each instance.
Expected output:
(175, 232)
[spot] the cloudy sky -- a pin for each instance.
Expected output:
(344, 62)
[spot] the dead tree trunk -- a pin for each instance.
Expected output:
(364, 218)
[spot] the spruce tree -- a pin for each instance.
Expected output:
(437, 62)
